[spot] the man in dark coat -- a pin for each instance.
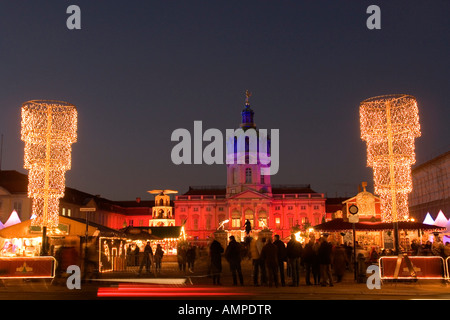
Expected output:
(215, 254)
(282, 256)
(147, 258)
(182, 257)
(269, 254)
(294, 253)
(324, 256)
(233, 256)
(308, 257)
(190, 257)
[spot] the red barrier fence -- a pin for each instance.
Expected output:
(413, 267)
(447, 264)
(27, 267)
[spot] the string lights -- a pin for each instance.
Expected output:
(389, 125)
(48, 129)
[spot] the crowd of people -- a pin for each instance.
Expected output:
(317, 261)
(275, 263)
(435, 248)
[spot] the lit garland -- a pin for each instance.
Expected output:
(48, 130)
(389, 125)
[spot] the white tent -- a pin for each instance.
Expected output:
(428, 219)
(441, 220)
(12, 220)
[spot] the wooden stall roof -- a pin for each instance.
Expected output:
(339, 225)
(152, 233)
(77, 227)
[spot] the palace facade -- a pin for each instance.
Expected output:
(248, 196)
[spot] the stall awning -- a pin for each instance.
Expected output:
(339, 225)
(68, 226)
(152, 233)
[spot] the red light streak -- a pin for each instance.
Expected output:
(128, 290)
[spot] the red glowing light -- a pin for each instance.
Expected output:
(132, 290)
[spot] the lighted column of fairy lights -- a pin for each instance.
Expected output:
(389, 125)
(48, 129)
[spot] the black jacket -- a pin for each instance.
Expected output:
(294, 249)
(324, 253)
(282, 251)
(233, 252)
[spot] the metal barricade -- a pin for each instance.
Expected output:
(406, 267)
(27, 267)
(447, 267)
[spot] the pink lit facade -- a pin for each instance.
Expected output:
(248, 195)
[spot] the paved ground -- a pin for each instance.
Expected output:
(198, 286)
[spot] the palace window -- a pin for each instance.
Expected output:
(316, 219)
(208, 223)
(278, 221)
(291, 222)
(249, 216)
(195, 226)
(248, 175)
(263, 223)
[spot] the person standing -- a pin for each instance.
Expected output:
(255, 255)
(181, 257)
(136, 254)
(308, 259)
(147, 258)
(159, 253)
(447, 250)
(437, 247)
(129, 255)
(294, 252)
(190, 257)
(269, 255)
(282, 257)
(315, 263)
(339, 262)
(215, 254)
(324, 256)
(233, 256)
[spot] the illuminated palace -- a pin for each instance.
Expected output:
(248, 195)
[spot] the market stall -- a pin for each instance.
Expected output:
(66, 243)
(168, 237)
(378, 235)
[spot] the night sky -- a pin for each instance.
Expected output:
(138, 70)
